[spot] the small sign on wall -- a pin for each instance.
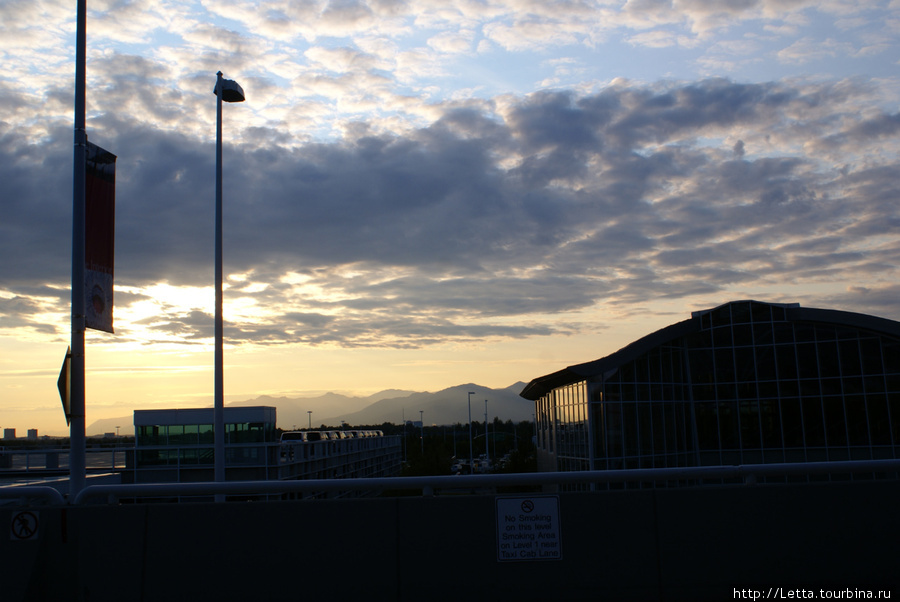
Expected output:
(23, 526)
(528, 528)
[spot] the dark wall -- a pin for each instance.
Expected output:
(690, 544)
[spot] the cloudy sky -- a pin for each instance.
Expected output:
(424, 193)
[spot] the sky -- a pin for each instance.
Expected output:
(420, 194)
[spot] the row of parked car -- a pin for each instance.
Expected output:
(309, 436)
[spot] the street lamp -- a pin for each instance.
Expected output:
(487, 450)
(471, 450)
(229, 91)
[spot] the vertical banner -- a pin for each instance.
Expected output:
(99, 237)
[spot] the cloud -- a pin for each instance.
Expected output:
(810, 49)
(502, 219)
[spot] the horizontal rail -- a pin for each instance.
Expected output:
(29, 492)
(428, 484)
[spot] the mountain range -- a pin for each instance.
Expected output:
(447, 406)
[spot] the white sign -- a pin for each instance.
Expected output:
(528, 528)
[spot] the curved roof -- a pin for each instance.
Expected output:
(539, 387)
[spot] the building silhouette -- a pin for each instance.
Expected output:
(177, 446)
(744, 383)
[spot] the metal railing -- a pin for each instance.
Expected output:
(28, 494)
(55, 460)
(428, 485)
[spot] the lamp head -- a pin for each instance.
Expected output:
(231, 90)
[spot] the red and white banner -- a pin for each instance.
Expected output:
(99, 237)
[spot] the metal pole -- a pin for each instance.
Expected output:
(487, 450)
(219, 400)
(422, 431)
(77, 461)
(471, 449)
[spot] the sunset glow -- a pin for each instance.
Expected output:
(419, 195)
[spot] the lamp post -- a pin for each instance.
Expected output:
(471, 449)
(228, 91)
(422, 431)
(487, 450)
(77, 444)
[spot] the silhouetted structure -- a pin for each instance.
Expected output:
(178, 446)
(743, 383)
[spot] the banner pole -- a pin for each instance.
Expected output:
(77, 464)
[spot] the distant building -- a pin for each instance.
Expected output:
(32, 433)
(179, 446)
(743, 383)
(9, 433)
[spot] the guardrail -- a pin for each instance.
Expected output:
(428, 485)
(27, 493)
(54, 460)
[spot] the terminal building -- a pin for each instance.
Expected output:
(743, 383)
(178, 446)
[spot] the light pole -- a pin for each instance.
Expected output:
(422, 431)
(77, 444)
(229, 91)
(487, 450)
(471, 449)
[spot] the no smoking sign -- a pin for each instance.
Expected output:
(528, 528)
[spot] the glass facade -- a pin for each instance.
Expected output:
(744, 383)
(180, 444)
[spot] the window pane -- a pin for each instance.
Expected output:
(894, 407)
(750, 438)
(707, 425)
(722, 337)
(614, 430)
(644, 422)
(835, 423)
(740, 313)
(891, 355)
(813, 427)
(879, 425)
(770, 421)
(849, 358)
(871, 356)
(791, 422)
(787, 363)
(857, 424)
(630, 428)
(806, 361)
(760, 312)
(744, 363)
(828, 358)
(765, 362)
(743, 335)
(728, 425)
(176, 434)
(724, 365)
